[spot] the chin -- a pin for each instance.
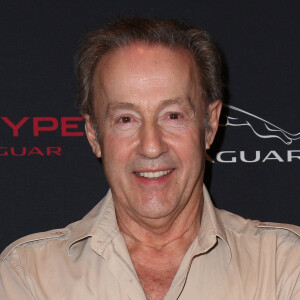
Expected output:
(155, 209)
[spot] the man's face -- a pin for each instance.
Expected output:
(149, 113)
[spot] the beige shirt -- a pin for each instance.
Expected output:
(232, 258)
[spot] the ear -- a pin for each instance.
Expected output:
(214, 111)
(92, 136)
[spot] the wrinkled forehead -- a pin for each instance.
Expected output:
(140, 66)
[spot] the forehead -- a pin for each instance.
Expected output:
(140, 71)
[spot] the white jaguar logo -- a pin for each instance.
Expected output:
(259, 126)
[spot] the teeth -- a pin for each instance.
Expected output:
(154, 174)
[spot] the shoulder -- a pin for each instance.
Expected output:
(238, 225)
(35, 239)
(288, 232)
(55, 239)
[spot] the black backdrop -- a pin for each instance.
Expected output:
(49, 176)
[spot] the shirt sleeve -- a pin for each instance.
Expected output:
(12, 280)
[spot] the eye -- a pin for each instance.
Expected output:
(124, 119)
(174, 116)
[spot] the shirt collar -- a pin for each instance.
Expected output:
(211, 228)
(102, 217)
(101, 223)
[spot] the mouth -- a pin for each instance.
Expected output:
(154, 175)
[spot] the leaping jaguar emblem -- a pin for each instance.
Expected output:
(262, 128)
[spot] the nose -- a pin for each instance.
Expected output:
(152, 143)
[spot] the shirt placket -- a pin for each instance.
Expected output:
(118, 262)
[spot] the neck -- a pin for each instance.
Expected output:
(157, 246)
(158, 234)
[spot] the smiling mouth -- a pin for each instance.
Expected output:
(153, 175)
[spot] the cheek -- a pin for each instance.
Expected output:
(189, 144)
(117, 150)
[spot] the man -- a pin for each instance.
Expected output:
(150, 92)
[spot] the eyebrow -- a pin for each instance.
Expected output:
(119, 105)
(178, 101)
(127, 105)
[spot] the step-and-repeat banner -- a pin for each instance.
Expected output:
(49, 176)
